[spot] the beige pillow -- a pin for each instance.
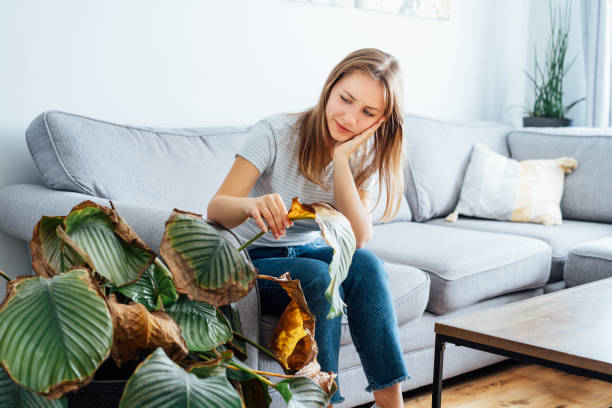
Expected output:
(501, 188)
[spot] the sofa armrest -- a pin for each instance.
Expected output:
(23, 205)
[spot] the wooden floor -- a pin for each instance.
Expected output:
(511, 384)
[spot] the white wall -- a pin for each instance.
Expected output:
(231, 62)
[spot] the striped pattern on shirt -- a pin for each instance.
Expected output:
(272, 147)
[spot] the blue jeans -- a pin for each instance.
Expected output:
(365, 291)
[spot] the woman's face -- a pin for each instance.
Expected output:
(355, 103)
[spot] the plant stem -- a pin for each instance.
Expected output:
(264, 373)
(255, 373)
(259, 347)
(250, 241)
(5, 276)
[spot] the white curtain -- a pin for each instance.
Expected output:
(596, 42)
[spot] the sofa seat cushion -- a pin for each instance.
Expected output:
(409, 290)
(465, 266)
(589, 262)
(163, 168)
(560, 237)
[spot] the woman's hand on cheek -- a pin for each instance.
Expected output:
(345, 149)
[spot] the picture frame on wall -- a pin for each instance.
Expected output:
(434, 9)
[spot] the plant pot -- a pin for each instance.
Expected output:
(541, 121)
(97, 394)
(106, 388)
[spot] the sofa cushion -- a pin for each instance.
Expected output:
(500, 188)
(409, 290)
(438, 154)
(403, 213)
(560, 237)
(589, 262)
(464, 266)
(163, 168)
(587, 193)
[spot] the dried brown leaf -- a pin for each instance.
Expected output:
(136, 329)
(325, 379)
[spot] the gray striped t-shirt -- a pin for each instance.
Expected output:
(272, 147)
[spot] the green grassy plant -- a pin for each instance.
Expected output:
(547, 80)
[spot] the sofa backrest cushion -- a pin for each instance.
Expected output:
(587, 193)
(403, 213)
(164, 168)
(438, 155)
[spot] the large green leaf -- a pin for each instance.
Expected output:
(338, 233)
(91, 235)
(206, 267)
(237, 344)
(116, 251)
(50, 255)
(54, 332)
(14, 396)
(159, 382)
(203, 326)
(154, 289)
(302, 392)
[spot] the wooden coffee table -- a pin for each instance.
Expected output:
(570, 330)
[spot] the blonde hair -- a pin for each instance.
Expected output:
(386, 154)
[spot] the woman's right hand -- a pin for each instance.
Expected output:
(270, 208)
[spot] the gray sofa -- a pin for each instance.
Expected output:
(436, 269)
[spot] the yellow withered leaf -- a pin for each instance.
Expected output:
(293, 340)
(136, 329)
(299, 211)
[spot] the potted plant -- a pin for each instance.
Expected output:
(101, 291)
(547, 81)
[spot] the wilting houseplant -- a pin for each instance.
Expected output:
(102, 291)
(547, 80)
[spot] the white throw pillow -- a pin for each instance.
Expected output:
(501, 188)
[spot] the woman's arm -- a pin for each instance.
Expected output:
(231, 206)
(351, 202)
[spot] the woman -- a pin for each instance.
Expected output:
(328, 153)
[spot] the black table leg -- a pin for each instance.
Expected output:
(436, 396)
